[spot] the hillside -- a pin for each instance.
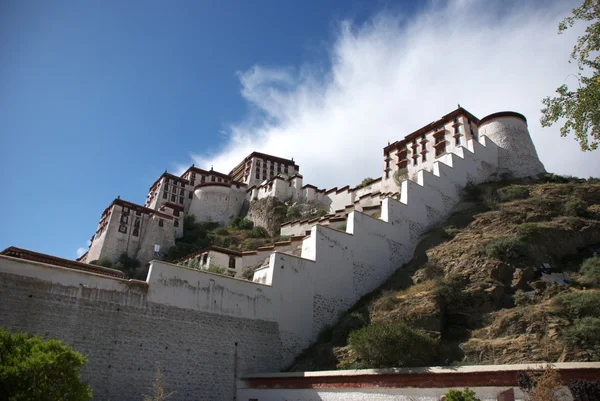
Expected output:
(475, 294)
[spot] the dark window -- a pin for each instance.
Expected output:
(257, 175)
(424, 157)
(456, 130)
(137, 223)
(192, 182)
(387, 164)
(124, 219)
(474, 134)
(457, 140)
(182, 192)
(414, 140)
(193, 175)
(212, 179)
(190, 195)
(174, 190)
(138, 213)
(173, 198)
(125, 210)
(176, 213)
(123, 229)
(387, 155)
(165, 195)
(387, 174)
(181, 200)
(176, 223)
(136, 232)
(202, 179)
(166, 187)
(422, 137)
(415, 161)
(204, 258)
(160, 222)
(455, 119)
(231, 262)
(469, 121)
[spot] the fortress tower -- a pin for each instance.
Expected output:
(516, 152)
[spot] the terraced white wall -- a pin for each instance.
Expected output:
(337, 268)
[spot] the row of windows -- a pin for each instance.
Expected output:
(174, 197)
(174, 190)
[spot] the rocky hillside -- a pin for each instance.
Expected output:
(510, 277)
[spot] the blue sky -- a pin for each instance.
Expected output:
(98, 98)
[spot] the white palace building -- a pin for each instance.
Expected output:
(146, 232)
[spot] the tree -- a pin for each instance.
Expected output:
(35, 369)
(580, 107)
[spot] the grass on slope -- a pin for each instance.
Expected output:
(460, 288)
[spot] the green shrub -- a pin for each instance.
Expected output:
(242, 224)
(506, 248)
(258, 232)
(521, 299)
(35, 369)
(576, 208)
(490, 198)
(392, 344)
(320, 212)
(216, 270)
(293, 213)
(471, 192)
(529, 230)
(585, 332)
(590, 269)
(222, 231)
(580, 304)
(104, 261)
(464, 395)
(365, 182)
(516, 192)
(131, 267)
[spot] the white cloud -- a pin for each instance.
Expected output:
(391, 75)
(81, 251)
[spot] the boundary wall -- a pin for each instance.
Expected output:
(490, 383)
(208, 329)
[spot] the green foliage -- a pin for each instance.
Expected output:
(392, 344)
(471, 192)
(400, 175)
(104, 262)
(365, 182)
(195, 237)
(131, 267)
(559, 179)
(506, 248)
(585, 332)
(515, 192)
(529, 230)
(318, 213)
(464, 395)
(590, 269)
(216, 270)
(293, 213)
(579, 108)
(576, 208)
(521, 299)
(248, 273)
(258, 232)
(222, 231)
(490, 198)
(242, 224)
(580, 304)
(35, 369)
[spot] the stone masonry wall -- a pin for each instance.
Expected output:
(126, 337)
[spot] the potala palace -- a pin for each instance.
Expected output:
(207, 331)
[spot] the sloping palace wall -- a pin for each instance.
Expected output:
(207, 330)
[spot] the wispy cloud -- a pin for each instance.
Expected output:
(80, 251)
(391, 75)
